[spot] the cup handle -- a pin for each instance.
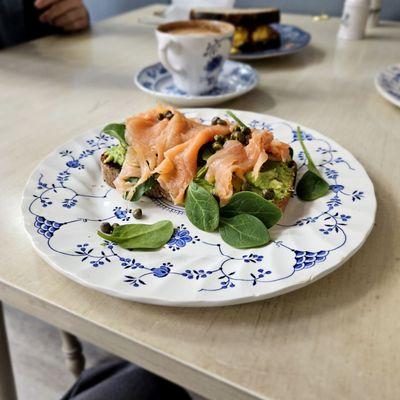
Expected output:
(164, 56)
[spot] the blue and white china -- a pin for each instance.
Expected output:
(193, 52)
(235, 80)
(65, 200)
(293, 39)
(387, 83)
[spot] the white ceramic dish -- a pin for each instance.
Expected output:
(235, 80)
(65, 200)
(387, 82)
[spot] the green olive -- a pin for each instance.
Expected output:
(114, 225)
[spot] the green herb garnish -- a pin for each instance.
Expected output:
(201, 208)
(240, 123)
(117, 131)
(311, 186)
(244, 231)
(140, 236)
(143, 187)
(251, 203)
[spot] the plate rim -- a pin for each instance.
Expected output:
(25, 201)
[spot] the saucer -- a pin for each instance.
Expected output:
(387, 83)
(235, 80)
(293, 39)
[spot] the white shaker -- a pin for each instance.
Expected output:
(374, 12)
(354, 19)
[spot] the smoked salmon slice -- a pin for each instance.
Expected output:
(169, 147)
(180, 164)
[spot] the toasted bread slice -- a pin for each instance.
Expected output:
(111, 170)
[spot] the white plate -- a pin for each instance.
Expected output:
(387, 83)
(235, 80)
(293, 39)
(65, 199)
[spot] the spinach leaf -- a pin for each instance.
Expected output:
(143, 187)
(141, 236)
(251, 203)
(201, 208)
(240, 123)
(244, 231)
(117, 131)
(311, 186)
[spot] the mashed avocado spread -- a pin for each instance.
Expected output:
(115, 154)
(275, 175)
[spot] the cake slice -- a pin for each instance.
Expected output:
(253, 30)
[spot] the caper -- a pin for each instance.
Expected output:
(268, 194)
(246, 130)
(238, 136)
(236, 128)
(218, 121)
(235, 135)
(216, 146)
(215, 120)
(105, 227)
(169, 114)
(219, 138)
(160, 116)
(138, 214)
(114, 225)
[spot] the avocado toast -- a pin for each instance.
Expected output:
(224, 158)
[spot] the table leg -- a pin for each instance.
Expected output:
(7, 384)
(72, 349)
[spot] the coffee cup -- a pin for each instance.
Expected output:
(194, 52)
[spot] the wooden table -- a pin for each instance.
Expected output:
(335, 339)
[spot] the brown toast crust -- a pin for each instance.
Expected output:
(111, 170)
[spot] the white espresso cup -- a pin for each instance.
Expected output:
(194, 52)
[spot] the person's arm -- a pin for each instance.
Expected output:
(70, 15)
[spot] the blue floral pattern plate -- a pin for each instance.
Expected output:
(293, 39)
(235, 80)
(65, 200)
(387, 83)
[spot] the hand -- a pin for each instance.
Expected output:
(70, 15)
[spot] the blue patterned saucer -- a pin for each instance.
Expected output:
(235, 80)
(293, 40)
(387, 83)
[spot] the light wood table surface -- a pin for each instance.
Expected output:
(338, 338)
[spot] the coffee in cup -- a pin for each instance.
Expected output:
(194, 52)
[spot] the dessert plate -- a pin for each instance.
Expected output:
(293, 39)
(235, 80)
(387, 82)
(65, 200)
